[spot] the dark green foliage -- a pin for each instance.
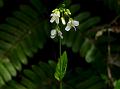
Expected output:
(20, 37)
(24, 33)
(28, 29)
(37, 77)
(117, 85)
(77, 39)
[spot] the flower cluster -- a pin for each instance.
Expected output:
(55, 17)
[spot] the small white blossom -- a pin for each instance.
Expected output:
(54, 32)
(71, 23)
(63, 20)
(55, 16)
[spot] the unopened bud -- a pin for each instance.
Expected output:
(63, 20)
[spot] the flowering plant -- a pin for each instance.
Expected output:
(56, 14)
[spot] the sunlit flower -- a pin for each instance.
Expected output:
(54, 32)
(55, 16)
(71, 23)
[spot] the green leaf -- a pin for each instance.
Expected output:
(91, 54)
(10, 68)
(117, 85)
(2, 82)
(61, 67)
(4, 73)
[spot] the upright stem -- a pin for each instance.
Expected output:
(61, 84)
(60, 64)
(60, 47)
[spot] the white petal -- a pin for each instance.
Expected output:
(53, 32)
(52, 19)
(52, 36)
(52, 14)
(68, 28)
(63, 21)
(75, 23)
(57, 20)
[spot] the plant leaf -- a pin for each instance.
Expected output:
(117, 85)
(61, 67)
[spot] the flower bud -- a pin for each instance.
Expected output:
(63, 20)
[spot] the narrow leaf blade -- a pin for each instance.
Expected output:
(61, 67)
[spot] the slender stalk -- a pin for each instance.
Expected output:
(60, 64)
(60, 47)
(61, 84)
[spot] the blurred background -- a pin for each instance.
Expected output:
(28, 55)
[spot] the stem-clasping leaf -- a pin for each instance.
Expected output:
(61, 67)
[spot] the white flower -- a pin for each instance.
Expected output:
(54, 32)
(55, 16)
(71, 23)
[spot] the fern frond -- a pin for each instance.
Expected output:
(20, 37)
(79, 41)
(33, 79)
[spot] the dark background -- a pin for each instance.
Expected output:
(51, 49)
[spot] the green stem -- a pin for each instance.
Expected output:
(60, 65)
(60, 47)
(61, 84)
